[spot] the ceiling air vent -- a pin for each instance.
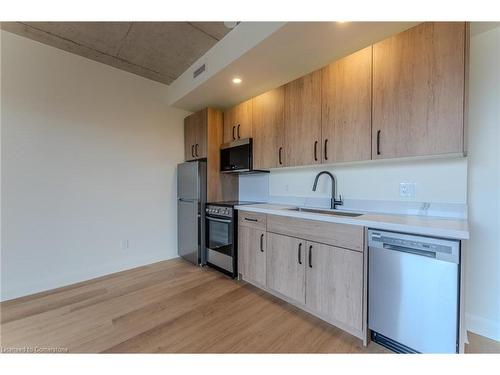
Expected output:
(198, 71)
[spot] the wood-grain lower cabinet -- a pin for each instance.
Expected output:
(252, 254)
(324, 279)
(303, 120)
(418, 91)
(268, 129)
(238, 122)
(286, 266)
(346, 98)
(334, 284)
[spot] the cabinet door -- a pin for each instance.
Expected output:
(418, 91)
(238, 122)
(189, 137)
(334, 283)
(244, 120)
(200, 147)
(303, 120)
(252, 254)
(268, 129)
(286, 266)
(346, 114)
(229, 132)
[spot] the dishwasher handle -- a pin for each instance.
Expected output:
(409, 250)
(436, 248)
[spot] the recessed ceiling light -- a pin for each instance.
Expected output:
(341, 21)
(236, 80)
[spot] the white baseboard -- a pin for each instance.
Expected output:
(482, 326)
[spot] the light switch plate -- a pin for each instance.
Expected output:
(407, 189)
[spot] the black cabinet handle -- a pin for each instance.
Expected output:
(262, 242)
(248, 219)
(326, 148)
(192, 151)
(196, 149)
(315, 150)
(378, 142)
(300, 253)
(233, 133)
(310, 256)
(279, 155)
(238, 131)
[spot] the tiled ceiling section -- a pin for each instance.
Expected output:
(160, 51)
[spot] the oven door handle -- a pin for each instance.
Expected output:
(219, 220)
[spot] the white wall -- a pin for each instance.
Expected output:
(88, 159)
(483, 249)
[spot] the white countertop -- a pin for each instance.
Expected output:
(423, 225)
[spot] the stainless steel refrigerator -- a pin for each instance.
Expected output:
(191, 199)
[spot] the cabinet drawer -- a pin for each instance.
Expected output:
(342, 235)
(252, 219)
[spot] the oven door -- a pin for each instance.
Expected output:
(220, 249)
(220, 235)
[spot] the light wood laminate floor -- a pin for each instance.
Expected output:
(169, 307)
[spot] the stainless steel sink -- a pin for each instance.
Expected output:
(324, 212)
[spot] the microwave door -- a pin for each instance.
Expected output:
(237, 157)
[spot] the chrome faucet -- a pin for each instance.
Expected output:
(333, 201)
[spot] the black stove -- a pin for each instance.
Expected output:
(231, 203)
(222, 236)
(224, 209)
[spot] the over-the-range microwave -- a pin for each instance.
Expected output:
(237, 157)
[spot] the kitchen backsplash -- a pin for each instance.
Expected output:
(440, 186)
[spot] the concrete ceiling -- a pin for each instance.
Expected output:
(160, 51)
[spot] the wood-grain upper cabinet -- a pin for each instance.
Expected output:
(268, 129)
(200, 147)
(346, 108)
(189, 137)
(195, 135)
(252, 254)
(334, 284)
(286, 266)
(418, 91)
(303, 120)
(238, 122)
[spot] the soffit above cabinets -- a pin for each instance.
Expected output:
(285, 52)
(160, 51)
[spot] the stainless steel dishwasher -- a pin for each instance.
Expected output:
(413, 292)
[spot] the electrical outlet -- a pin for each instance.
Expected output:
(124, 244)
(407, 189)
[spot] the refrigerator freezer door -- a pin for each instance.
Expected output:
(188, 181)
(188, 230)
